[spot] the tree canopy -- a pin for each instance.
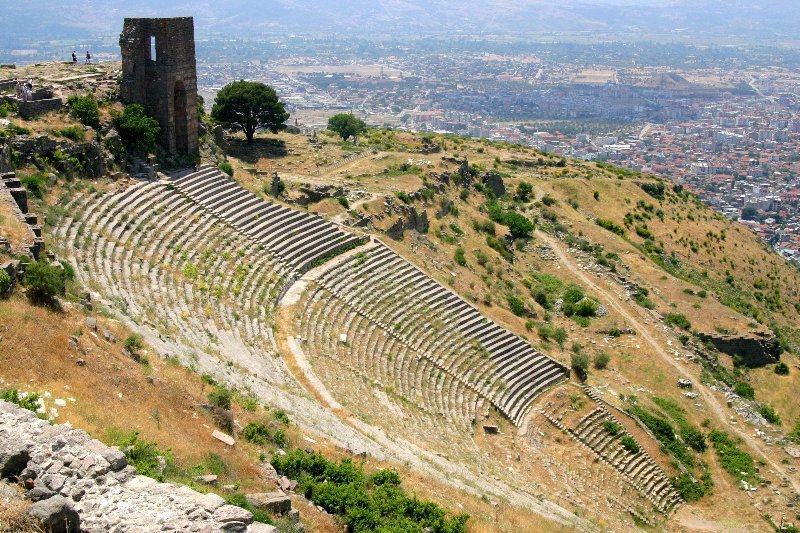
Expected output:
(347, 125)
(247, 106)
(136, 128)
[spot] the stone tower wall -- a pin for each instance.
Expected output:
(165, 85)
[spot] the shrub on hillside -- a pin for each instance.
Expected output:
(226, 168)
(745, 390)
(736, 462)
(220, 397)
(630, 444)
(133, 343)
(28, 401)
(136, 128)
(516, 305)
(5, 282)
(85, 110)
(769, 414)
(678, 320)
(36, 184)
(601, 360)
(44, 281)
(782, 369)
(367, 503)
(580, 364)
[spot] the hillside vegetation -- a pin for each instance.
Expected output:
(612, 273)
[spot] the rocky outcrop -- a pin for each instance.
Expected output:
(754, 350)
(74, 477)
(80, 159)
(411, 219)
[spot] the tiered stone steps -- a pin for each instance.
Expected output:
(166, 260)
(299, 238)
(382, 289)
(203, 255)
(639, 469)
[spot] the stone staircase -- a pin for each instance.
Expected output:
(638, 469)
(159, 252)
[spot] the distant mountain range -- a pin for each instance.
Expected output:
(756, 19)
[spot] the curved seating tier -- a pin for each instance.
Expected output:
(639, 469)
(419, 314)
(202, 255)
(299, 238)
(163, 259)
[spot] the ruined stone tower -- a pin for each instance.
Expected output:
(160, 73)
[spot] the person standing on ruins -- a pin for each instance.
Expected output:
(88, 58)
(74, 57)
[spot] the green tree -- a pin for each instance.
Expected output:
(84, 108)
(524, 191)
(136, 129)
(44, 281)
(248, 106)
(347, 125)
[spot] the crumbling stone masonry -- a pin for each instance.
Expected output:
(159, 72)
(755, 350)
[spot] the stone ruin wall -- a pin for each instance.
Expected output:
(165, 85)
(71, 477)
(754, 350)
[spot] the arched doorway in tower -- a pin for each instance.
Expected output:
(181, 118)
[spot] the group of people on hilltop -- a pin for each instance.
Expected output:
(23, 89)
(86, 61)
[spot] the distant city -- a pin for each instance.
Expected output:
(723, 121)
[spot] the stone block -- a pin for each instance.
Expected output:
(223, 437)
(274, 502)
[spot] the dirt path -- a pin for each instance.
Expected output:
(613, 300)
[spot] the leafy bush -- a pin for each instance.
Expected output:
(794, 434)
(735, 461)
(573, 294)
(611, 427)
(679, 320)
(580, 364)
(220, 397)
(745, 390)
(403, 196)
(36, 184)
(343, 202)
(5, 282)
(226, 168)
(144, 455)
(136, 129)
(375, 503)
(85, 110)
(586, 308)
(656, 190)
(26, 401)
(518, 225)
(516, 305)
(44, 281)
(460, 257)
(524, 191)
(601, 360)
(133, 342)
(769, 414)
(641, 298)
(548, 200)
(611, 226)
(256, 432)
(690, 488)
(782, 369)
(629, 443)
(73, 133)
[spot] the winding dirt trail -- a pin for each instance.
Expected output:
(613, 300)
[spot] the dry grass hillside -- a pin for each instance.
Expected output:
(688, 260)
(606, 271)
